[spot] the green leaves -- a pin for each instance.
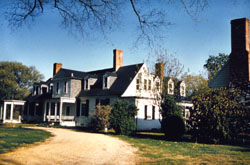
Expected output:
(16, 80)
(122, 117)
(215, 63)
(218, 115)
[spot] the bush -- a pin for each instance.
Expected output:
(122, 117)
(174, 127)
(100, 118)
(218, 116)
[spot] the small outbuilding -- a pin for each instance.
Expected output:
(11, 111)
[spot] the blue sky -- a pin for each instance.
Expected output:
(45, 43)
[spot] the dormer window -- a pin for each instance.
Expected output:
(108, 79)
(182, 89)
(105, 82)
(86, 84)
(36, 90)
(170, 87)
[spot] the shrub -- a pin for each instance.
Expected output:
(174, 127)
(100, 118)
(172, 122)
(122, 117)
(218, 115)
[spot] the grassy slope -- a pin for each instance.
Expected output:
(11, 138)
(153, 150)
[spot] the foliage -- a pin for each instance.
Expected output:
(215, 63)
(16, 79)
(218, 115)
(86, 17)
(195, 84)
(122, 117)
(174, 127)
(12, 138)
(155, 150)
(101, 117)
(172, 121)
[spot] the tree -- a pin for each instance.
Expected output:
(218, 115)
(101, 117)
(122, 117)
(87, 16)
(172, 66)
(16, 80)
(195, 84)
(215, 63)
(172, 122)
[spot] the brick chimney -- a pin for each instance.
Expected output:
(118, 59)
(240, 55)
(56, 68)
(159, 70)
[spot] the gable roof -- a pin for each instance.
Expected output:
(124, 74)
(222, 78)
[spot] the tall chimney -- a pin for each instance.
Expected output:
(240, 55)
(159, 70)
(118, 59)
(56, 68)
(240, 34)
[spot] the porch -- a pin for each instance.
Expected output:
(11, 111)
(61, 110)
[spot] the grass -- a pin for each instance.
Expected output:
(14, 137)
(154, 150)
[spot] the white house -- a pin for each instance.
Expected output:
(70, 97)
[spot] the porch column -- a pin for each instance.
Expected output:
(1, 112)
(44, 110)
(55, 110)
(61, 107)
(11, 111)
(49, 110)
(4, 112)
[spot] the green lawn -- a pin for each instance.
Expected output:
(11, 138)
(154, 150)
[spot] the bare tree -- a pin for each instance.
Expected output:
(88, 16)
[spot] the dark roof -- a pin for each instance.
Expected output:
(222, 78)
(38, 98)
(124, 74)
(67, 73)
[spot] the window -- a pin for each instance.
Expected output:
(104, 101)
(138, 84)
(170, 87)
(44, 90)
(145, 112)
(57, 87)
(86, 84)
(105, 82)
(68, 111)
(58, 109)
(157, 85)
(36, 90)
(145, 84)
(97, 102)
(182, 90)
(65, 87)
(85, 108)
(149, 84)
(8, 109)
(153, 112)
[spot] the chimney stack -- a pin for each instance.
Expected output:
(240, 34)
(240, 55)
(159, 70)
(56, 68)
(118, 59)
